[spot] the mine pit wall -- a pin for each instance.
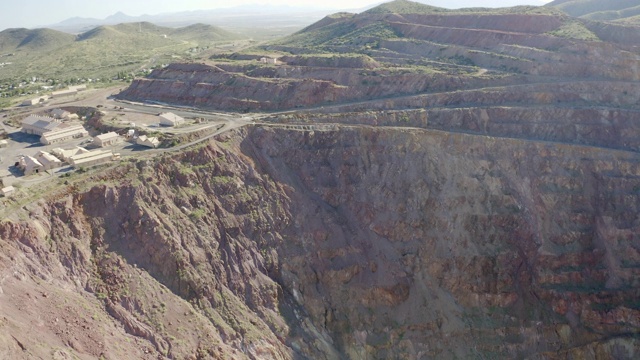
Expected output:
(581, 94)
(610, 128)
(356, 242)
(461, 243)
(288, 88)
(533, 24)
(564, 60)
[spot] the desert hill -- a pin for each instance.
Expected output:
(404, 7)
(25, 39)
(203, 34)
(48, 40)
(101, 51)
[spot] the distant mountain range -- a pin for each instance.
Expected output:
(233, 18)
(49, 39)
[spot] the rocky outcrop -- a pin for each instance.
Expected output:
(347, 243)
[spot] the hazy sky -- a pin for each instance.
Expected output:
(31, 13)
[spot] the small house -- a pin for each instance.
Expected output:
(268, 60)
(48, 161)
(60, 114)
(151, 142)
(4, 143)
(35, 101)
(8, 191)
(29, 165)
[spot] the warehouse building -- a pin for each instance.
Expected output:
(170, 119)
(65, 155)
(93, 158)
(63, 134)
(38, 125)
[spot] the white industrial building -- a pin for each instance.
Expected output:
(7, 191)
(63, 134)
(170, 119)
(92, 158)
(48, 161)
(38, 125)
(35, 101)
(65, 155)
(29, 165)
(107, 139)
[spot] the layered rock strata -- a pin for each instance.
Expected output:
(343, 244)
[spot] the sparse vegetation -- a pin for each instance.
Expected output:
(405, 7)
(575, 30)
(597, 9)
(53, 59)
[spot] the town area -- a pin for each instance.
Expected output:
(55, 135)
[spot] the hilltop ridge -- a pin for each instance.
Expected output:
(46, 53)
(611, 10)
(33, 39)
(404, 7)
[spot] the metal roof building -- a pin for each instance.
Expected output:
(107, 139)
(151, 142)
(92, 158)
(63, 134)
(171, 119)
(65, 155)
(48, 161)
(38, 125)
(29, 165)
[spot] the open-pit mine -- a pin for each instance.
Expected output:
(415, 183)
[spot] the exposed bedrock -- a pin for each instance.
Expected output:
(353, 243)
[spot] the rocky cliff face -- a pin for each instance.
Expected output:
(345, 244)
